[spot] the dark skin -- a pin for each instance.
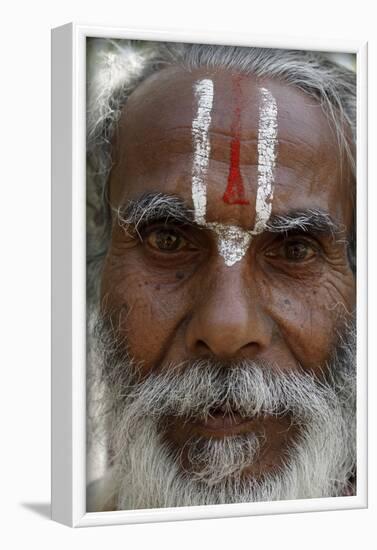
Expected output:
(170, 293)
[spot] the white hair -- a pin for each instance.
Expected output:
(117, 67)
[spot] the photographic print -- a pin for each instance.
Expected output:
(221, 274)
(209, 216)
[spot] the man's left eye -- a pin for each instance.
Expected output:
(294, 250)
(297, 251)
(166, 240)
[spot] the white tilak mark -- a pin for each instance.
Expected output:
(267, 140)
(202, 147)
(232, 240)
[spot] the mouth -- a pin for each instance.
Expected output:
(275, 434)
(223, 424)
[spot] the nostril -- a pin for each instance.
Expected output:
(201, 345)
(225, 348)
(251, 347)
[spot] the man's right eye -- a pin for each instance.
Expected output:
(166, 240)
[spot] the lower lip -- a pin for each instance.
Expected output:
(221, 425)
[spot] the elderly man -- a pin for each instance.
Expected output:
(221, 278)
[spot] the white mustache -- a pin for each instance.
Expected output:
(194, 390)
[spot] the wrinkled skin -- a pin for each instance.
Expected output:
(186, 303)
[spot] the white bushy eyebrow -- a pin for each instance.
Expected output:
(310, 220)
(154, 207)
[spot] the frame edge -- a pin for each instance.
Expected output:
(61, 273)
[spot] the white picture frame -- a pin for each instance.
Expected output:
(69, 279)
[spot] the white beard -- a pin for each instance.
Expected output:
(148, 473)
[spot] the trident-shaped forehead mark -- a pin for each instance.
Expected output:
(232, 240)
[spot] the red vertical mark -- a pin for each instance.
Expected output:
(235, 191)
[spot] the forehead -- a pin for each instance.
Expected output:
(154, 146)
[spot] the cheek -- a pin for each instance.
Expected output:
(308, 316)
(146, 311)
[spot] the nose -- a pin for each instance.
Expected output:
(227, 320)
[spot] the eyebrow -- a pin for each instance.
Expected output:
(310, 220)
(159, 207)
(154, 207)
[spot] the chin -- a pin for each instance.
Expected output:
(154, 474)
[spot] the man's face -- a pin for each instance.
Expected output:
(170, 292)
